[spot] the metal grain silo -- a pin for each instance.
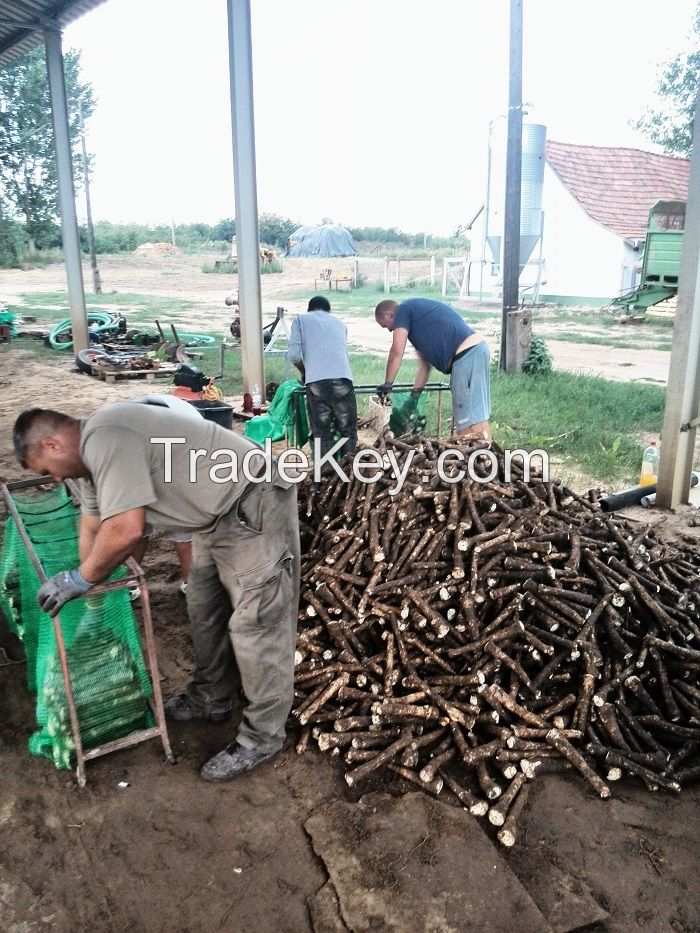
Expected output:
(532, 179)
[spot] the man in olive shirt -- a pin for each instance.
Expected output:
(144, 462)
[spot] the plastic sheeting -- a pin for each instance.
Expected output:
(326, 241)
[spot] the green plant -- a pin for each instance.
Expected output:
(273, 265)
(539, 360)
(223, 266)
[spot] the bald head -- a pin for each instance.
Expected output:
(384, 313)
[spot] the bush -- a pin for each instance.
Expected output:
(274, 265)
(539, 360)
(222, 266)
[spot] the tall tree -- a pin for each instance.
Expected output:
(28, 181)
(670, 122)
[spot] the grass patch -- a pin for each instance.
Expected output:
(53, 306)
(643, 343)
(586, 421)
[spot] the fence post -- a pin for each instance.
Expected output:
(386, 273)
(444, 276)
(355, 272)
(432, 270)
(398, 271)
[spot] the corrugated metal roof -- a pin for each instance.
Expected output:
(22, 21)
(618, 186)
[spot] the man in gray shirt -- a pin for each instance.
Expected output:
(146, 462)
(318, 347)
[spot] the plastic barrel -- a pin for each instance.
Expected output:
(218, 412)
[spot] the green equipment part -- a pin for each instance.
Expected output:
(662, 258)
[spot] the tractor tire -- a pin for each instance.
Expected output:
(85, 358)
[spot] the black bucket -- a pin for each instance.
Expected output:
(218, 412)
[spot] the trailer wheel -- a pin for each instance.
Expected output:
(85, 358)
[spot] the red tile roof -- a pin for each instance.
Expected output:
(617, 186)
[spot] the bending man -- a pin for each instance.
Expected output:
(244, 582)
(444, 340)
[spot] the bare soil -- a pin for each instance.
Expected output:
(170, 852)
(180, 276)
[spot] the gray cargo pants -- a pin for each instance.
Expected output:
(243, 599)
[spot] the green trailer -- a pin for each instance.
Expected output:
(662, 258)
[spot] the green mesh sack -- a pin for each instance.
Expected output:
(408, 414)
(10, 598)
(110, 684)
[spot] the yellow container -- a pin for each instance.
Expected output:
(650, 465)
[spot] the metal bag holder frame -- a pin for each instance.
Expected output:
(135, 577)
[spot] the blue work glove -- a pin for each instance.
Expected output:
(384, 390)
(58, 590)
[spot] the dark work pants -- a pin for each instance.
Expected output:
(242, 599)
(332, 403)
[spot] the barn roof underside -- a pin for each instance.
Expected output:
(22, 22)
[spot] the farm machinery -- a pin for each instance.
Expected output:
(662, 259)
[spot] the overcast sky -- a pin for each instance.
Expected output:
(370, 112)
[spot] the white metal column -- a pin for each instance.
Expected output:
(683, 390)
(245, 188)
(66, 191)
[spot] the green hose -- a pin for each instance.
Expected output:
(200, 340)
(106, 322)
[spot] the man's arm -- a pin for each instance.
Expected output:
(109, 543)
(398, 347)
(294, 350)
(422, 375)
(89, 526)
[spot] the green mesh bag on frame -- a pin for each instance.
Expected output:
(108, 675)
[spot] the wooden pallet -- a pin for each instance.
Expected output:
(150, 375)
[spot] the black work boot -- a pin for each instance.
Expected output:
(232, 761)
(180, 709)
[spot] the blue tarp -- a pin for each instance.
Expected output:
(328, 240)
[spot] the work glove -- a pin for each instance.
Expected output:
(58, 590)
(416, 393)
(384, 390)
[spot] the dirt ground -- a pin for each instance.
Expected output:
(170, 852)
(179, 276)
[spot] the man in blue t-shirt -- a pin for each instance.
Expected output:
(444, 340)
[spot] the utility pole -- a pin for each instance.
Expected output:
(511, 233)
(97, 284)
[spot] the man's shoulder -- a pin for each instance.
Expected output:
(115, 414)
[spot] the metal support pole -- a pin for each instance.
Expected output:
(386, 273)
(683, 389)
(96, 283)
(245, 187)
(511, 238)
(66, 190)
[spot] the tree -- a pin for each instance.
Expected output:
(670, 123)
(275, 230)
(28, 178)
(225, 229)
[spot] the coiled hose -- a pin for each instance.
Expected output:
(105, 321)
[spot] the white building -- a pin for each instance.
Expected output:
(596, 202)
